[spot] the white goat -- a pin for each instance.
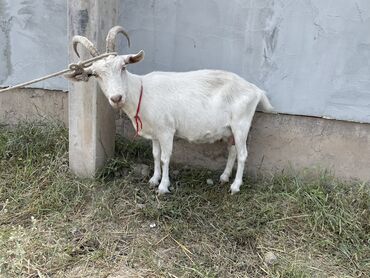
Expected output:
(200, 106)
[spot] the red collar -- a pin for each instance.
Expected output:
(137, 117)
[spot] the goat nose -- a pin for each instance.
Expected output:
(116, 98)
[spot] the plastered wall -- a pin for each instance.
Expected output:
(33, 41)
(311, 56)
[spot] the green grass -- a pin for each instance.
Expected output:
(53, 224)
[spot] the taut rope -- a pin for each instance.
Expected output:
(77, 68)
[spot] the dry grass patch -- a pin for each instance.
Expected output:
(56, 225)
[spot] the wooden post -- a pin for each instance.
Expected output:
(91, 119)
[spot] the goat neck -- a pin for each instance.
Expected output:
(134, 83)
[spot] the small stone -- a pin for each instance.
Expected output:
(210, 182)
(136, 169)
(153, 225)
(140, 206)
(77, 234)
(145, 170)
(141, 170)
(124, 172)
(270, 258)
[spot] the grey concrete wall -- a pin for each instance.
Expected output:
(282, 142)
(311, 56)
(33, 37)
(33, 105)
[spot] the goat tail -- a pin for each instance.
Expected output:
(265, 104)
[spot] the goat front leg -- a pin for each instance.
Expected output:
(154, 181)
(166, 142)
(230, 162)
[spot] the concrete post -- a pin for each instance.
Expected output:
(91, 119)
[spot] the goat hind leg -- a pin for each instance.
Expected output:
(240, 136)
(154, 181)
(240, 129)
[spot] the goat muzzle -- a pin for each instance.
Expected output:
(116, 99)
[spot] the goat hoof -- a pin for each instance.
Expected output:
(234, 189)
(224, 179)
(233, 192)
(153, 182)
(163, 191)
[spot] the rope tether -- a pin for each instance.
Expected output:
(78, 68)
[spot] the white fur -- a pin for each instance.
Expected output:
(199, 106)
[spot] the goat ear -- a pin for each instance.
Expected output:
(134, 58)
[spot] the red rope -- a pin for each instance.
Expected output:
(137, 117)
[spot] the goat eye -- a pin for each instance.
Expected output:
(123, 68)
(92, 74)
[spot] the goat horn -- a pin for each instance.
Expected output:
(111, 38)
(86, 43)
